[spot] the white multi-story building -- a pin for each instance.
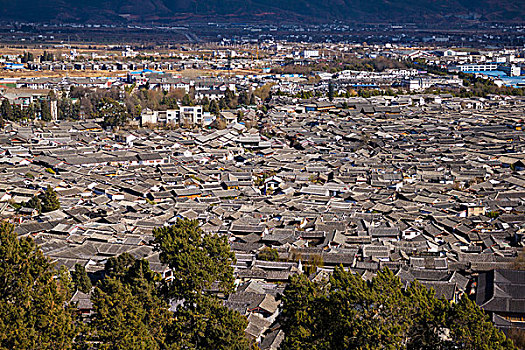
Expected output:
(185, 116)
(190, 115)
(310, 53)
(474, 67)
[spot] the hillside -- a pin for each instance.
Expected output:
(255, 10)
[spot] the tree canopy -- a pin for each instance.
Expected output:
(33, 303)
(207, 324)
(81, 279)
(49, 200)
(268, 254)
(132, 303)
(135, 308)
(34, 203)
(113, 112)
(196, 259)
(347, 312)
(130, 312)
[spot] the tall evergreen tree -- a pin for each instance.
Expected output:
(230, 99)
(113, 112)
(29, 112)
(222, 104)
(6, 111)
(47, 57)
(187, 101)
(331, 91)
(197, 261)
(471, 328)
(67, 110)
(33, 309)
(81, 279)
(129, 311)
(252, 100)
(214, 107)
(18, 114)
(244, 99)
(27, 57)
(45, 111)
(207, 324)
(132, 312)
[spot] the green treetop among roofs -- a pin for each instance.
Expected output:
(44, 202)
(49, 200)
(196, 259)
(130, 312)
(81, 279)
(132, 303)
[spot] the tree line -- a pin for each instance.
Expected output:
(14, 112)
(370, 64)
(229, 101)
(115, 107)
(30, 57)
(473, 86)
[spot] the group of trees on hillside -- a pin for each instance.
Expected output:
(473, 86)
(30, 57)
(229, 101)
(480, 87)
(34, 309)
(27, 57)
(377, 64)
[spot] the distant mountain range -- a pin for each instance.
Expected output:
(281, 11)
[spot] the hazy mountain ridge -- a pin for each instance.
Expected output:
(250, 10)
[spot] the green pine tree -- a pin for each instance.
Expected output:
(214, 107)
(207, 324)
(35, 203)
(347, 312)
(268, 254)
(129, 310)
(186, 100)
(196, 259)
(80, 279)
(471, 328)
(33, 303)
(113, 112)
(45, 111)
(6, 111)
(229, 99)
(49, 200)
(252, 100)
(331, 91)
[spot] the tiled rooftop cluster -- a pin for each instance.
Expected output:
(431, 188)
